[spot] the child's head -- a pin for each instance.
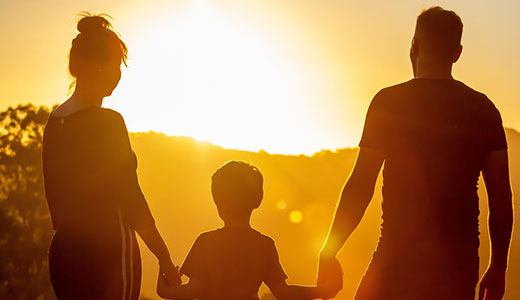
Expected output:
(237, 188)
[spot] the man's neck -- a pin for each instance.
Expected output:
(433, 70)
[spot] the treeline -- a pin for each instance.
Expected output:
(25, 227)
(174, 173)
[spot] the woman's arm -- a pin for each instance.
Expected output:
(153, 240)
(122, 164)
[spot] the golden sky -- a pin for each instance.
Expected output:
(292, 76)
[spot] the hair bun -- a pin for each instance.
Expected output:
(93, 23)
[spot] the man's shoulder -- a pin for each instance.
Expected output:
(397, 87)
(390, 93)
(387, 97)
(415, 85)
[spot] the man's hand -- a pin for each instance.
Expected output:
(492, 285)
(496, 177)
(330, 276)
(170, 272)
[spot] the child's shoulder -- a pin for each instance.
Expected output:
(245, 234)
(207, 234)
(263, 237)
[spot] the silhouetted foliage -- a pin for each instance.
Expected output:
(25, 229)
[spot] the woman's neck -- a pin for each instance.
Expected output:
(79, 100)
(86, 96)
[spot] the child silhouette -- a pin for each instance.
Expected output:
(232, 262)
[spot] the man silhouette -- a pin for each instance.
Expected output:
(435, 135)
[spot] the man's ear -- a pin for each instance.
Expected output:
(457, 56)
(414, 47)
(414, 51)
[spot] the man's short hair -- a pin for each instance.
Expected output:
(440, 31)
(237, 185)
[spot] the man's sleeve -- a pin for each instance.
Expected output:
(377, 125)
(494, 132)
(194, 265)
(275, 272)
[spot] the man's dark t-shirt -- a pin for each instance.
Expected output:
(435, 135)
(233, 263)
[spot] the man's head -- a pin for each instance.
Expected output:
(237, 188)
(437, 37)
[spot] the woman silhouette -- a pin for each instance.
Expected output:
(91, 185)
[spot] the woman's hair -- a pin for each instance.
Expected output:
(95, 45)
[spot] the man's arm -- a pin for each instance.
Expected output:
(354, 200)
(355, 197)
(500, 219)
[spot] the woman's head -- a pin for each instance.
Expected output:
(96, 54)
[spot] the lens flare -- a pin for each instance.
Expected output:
(296, 216)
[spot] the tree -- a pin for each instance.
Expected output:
(25, 227)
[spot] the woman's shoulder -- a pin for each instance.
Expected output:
(112, 122)
(107, 120)
(105, 117)
(110, 115)
(89, 112)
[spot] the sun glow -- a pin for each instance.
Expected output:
(218, 77)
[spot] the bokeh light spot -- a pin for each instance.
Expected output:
(281, 205)
(296, 216)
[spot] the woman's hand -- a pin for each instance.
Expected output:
(170, 273)
(163, 287)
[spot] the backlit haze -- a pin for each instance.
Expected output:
(292, 76)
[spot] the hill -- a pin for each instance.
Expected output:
(175, 172)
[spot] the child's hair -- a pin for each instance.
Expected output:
(237, 185)
(95, 45)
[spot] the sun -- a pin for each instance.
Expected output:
(212, 75)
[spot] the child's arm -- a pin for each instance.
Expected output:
(283, 291)
(186, 291)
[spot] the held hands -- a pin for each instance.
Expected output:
(170, 273)
(330, 276)
(164, 283)
(162, 286)
(492, 285)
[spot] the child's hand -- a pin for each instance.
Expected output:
(162, 285)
